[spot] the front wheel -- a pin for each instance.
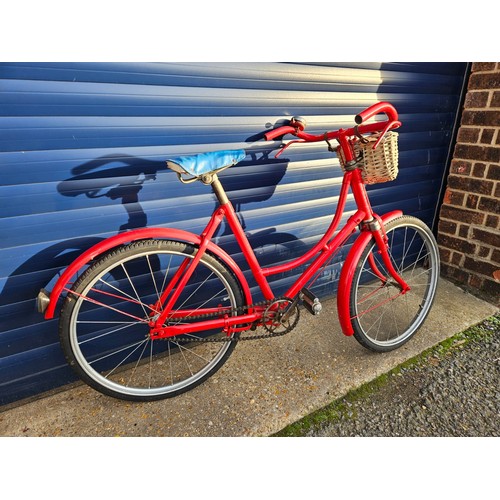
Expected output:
(384, 318)
(104, 322)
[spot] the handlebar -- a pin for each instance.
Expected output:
(375, 109)
(297, 125)
(278, 132)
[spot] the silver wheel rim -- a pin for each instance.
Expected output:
(373, 322)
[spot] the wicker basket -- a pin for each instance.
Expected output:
(377, 165)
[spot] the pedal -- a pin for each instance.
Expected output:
(310, 302)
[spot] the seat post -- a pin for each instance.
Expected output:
(219, 191)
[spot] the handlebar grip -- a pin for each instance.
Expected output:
(278, 132)
(380, 107)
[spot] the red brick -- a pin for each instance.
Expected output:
(479, 169)
(476, 281)
(444, 254)
(484, 118)
(487, 136)
(454, 273)
(479, 186)
(460, 167)
(483, 66)
(495, 256)
(478, 153)
(495, 102)
(492, 221)
(491, 205)
(453, 197)
(491, 289)
(462, 215)
(463, 231)
(448, 227)
(479, 266)
(491, 238)
(476, 99)
(467, 134)
(484, 81)
(457, 244)
(484, 252)
(472, 251)
(472, 201)
(457, 258)
(494, 172)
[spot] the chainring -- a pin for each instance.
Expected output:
(281, 316)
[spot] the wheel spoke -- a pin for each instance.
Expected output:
(153, 277)
(137, 363)
(136, 346)
(123, 296)
(96, 337)
(106, 306)
(191, 351)
(135, 291)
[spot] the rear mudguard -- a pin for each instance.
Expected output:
(347, 274)
(135, 235)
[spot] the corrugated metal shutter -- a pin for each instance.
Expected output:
(82, 150)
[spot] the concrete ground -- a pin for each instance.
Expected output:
(264, 386)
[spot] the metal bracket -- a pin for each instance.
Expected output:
(370, 225)
(187, 180)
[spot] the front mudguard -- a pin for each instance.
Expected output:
(348, 270)
(48, 301)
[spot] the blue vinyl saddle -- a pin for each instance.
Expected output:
(205, 163)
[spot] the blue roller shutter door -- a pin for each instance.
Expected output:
(82, 150)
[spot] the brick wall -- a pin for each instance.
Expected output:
(469, 225)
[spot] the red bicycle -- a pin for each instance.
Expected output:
(157, 311)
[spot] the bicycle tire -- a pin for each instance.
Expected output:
(104, 328)
(383, 319)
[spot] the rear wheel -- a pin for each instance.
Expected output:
(383, 318)
(104, 324)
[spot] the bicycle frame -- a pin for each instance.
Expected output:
(372, 227)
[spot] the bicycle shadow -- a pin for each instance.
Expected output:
(118, 177)
(123, 183)
(121, 178)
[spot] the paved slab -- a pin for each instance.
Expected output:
(264, 386)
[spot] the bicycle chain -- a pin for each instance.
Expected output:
(266, 303)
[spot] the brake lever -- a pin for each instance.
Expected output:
(389, 126)
(286, 146)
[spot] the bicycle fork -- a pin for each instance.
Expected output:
(382, 241)
(376, 226)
